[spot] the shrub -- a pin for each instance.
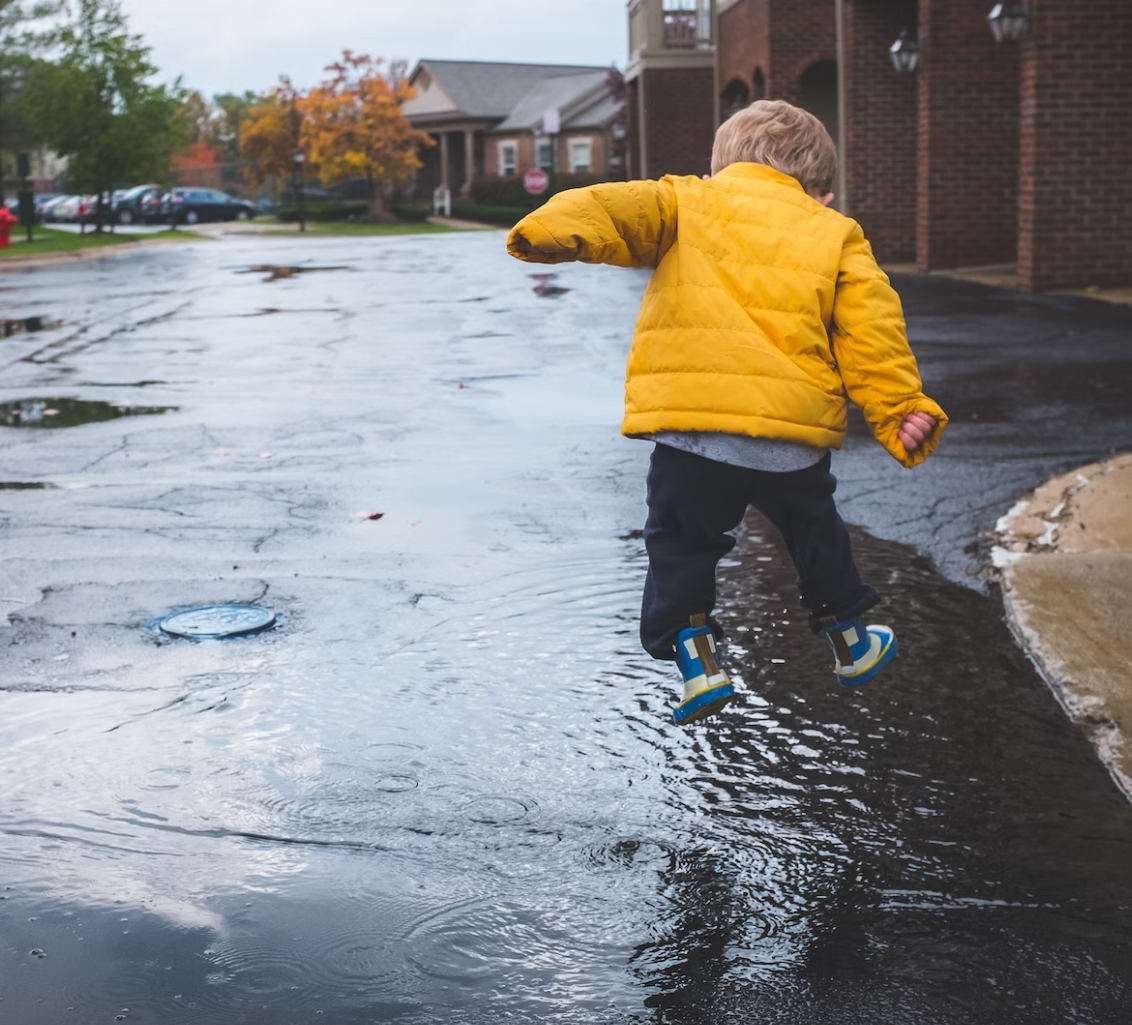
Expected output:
(406, 212)
(326, 212)
(504, 216)
(509, 191)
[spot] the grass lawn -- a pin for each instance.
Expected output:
(52, 240)
(356, 228)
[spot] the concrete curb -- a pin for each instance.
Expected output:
(1064, 554)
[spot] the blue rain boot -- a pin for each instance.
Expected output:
(861, 651)
(706, 687)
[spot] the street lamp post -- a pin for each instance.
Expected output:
(300, 156)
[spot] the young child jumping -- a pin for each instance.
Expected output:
(765, 316)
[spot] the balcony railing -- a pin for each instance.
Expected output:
(687, 24)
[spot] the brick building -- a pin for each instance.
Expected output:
(501, 120)
(987, 153)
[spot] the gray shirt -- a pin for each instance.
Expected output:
(768, 454)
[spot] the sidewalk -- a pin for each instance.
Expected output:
(1066, 560)
(1005, 275)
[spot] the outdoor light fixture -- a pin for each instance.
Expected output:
(299, 156)
(905, 54)
(1010, 21)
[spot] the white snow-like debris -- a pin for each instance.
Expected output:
(1019, 507)
(1003, 557)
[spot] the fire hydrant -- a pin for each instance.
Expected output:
(7, 222)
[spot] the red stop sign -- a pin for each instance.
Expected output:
(536, 181)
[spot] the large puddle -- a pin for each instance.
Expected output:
(551, 848)
(59, 412)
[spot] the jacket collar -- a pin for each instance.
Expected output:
(761, 171)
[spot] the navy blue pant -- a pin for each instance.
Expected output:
(694, 502)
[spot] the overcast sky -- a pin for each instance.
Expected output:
(231, 45)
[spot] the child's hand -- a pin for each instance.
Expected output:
(915, 429)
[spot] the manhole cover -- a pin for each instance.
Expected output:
(214, 621)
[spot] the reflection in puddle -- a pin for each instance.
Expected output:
(25, 325)
(277, 272)
(544, 289)
(69, 412)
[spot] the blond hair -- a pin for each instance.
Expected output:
(782, 136)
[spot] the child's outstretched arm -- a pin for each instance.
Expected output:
(870, 344)
(630, 224)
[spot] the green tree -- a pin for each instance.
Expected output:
(25, 30)
(232, 110)
(199, 117)
(98, 107)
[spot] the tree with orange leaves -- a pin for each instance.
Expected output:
(198, 166)
(354, 126)
(272, 131)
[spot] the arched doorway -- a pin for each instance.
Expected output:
(817, 93)
(734, 98)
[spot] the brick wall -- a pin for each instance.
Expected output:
(744, 42)
(802, 32)
(597, 150)
(967, 210)
(880, 138)
(679, 120)
(524, 152)
(1075, 212)
(632, 129)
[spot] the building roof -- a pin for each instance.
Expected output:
(596, 112)
(559, 93)
(482, 89)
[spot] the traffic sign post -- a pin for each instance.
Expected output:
(536, 181)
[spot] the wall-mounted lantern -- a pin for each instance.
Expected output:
(1010, 21)
(905, 54)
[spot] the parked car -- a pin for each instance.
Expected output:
(128, 208)
(67, 209)
(44, 199)
(150, 207)
(47, 211)
(191, 206)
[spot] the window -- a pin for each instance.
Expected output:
(507, 161)
(580, 156)
(735, 98)
(545, 156)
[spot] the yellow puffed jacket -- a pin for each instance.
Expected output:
(766, 307)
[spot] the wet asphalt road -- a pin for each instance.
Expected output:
(444, 788)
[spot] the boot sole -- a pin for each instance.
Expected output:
(723, 696)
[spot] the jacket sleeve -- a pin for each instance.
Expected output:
(629, 224)
(870, 344)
